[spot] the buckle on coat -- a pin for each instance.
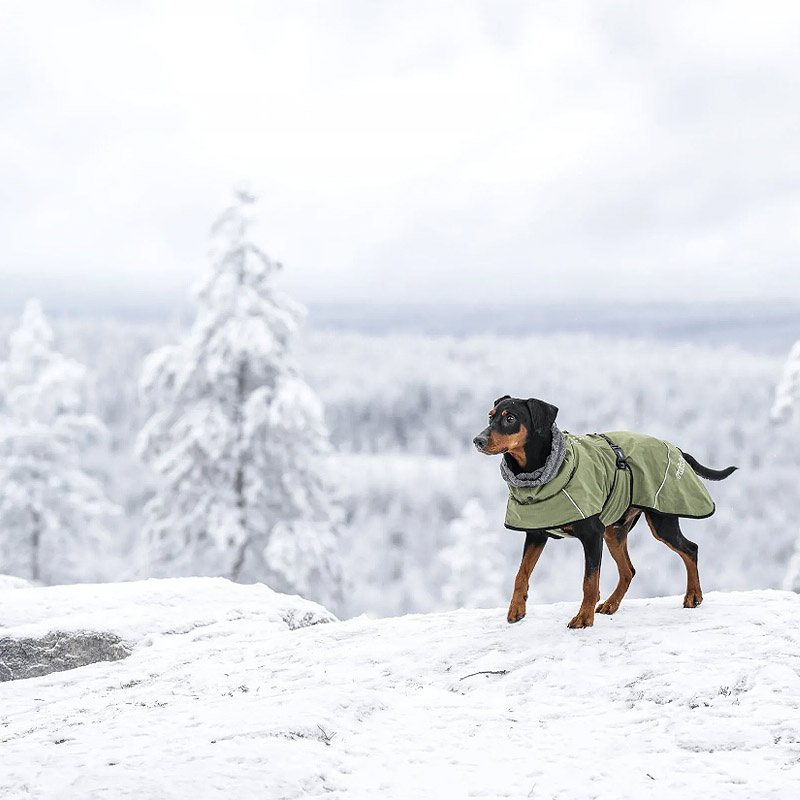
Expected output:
(622, 462)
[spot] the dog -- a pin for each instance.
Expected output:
(593, 488)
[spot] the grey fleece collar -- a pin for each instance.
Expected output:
(545, 473)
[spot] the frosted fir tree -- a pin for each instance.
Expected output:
(473, 560)
(236, 437)
(52, 513)
(787, 393)
(784, 409)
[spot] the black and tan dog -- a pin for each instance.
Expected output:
(523, 432)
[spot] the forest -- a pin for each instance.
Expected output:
(421, 516)
(338, 465)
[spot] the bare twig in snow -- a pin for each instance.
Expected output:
(486, 672)
(326, 737)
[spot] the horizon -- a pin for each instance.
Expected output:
(765, 326)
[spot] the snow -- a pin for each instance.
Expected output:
(236, 436)
(398, 500)
(787, 392)
(52, 512)
(221, 698)
(473, 561)
(12, 582)
(141, 610)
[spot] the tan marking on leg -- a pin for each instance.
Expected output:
(516, 611)
(618, 549)
(591, 594)
(694, 594)
(616, 538)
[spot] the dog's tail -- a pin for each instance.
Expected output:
(705, 472)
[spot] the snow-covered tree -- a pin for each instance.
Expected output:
(784, 408)
(475, 562)
(787, 393)
(237, 437)
(52, 513)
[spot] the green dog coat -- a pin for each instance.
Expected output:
(589, 481)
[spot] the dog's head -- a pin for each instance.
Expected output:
(512, 422)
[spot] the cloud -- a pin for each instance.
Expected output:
(469, 152)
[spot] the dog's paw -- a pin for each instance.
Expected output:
(581, 621)
(516, 611)
(693, 599)
(609, 607)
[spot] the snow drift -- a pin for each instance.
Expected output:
(233, 691)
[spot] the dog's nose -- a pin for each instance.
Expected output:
(480, 441)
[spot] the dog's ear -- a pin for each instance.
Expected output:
(543, 415)
(499, 399)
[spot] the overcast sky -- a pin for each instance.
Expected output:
(471, 152)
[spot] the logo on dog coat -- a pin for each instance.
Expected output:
(681, 468)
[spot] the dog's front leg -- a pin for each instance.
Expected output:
(534, 544)
(590, 532)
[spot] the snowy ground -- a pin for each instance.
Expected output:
(10, 582)
(225, 696)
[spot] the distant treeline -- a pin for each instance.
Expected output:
(402, 410)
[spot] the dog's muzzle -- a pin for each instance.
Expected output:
(481, 441)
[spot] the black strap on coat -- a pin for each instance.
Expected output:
(622, 462)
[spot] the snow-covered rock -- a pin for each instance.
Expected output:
(221, 698)
(139, 611)
(65, 627)
(12, 582)
(57, 651)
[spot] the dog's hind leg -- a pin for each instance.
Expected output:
(616, 537)
(667, 530)
(534, 544)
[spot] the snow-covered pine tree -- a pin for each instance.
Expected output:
(52, 513)
(787, 393)
(237, 437)
(784, 408)
(474, 561)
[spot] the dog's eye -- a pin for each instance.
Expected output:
(510, 420)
